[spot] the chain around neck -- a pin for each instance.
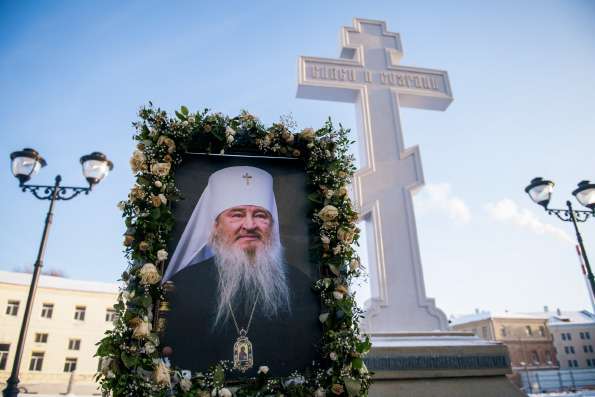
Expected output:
(235, 322)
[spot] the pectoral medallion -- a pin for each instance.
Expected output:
(243, 358)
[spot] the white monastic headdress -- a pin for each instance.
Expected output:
(227, 188)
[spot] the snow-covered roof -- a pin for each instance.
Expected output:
(485, 315)
(552, 317)
(58, 283)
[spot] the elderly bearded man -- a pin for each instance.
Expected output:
(234, 297)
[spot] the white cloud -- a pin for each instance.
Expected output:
(508, 211)
(438, 197)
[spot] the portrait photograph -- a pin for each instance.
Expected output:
(240, 267)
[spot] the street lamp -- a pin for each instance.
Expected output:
(540, 191)
(26, 164)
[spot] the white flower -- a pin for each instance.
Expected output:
(186, 373)
(121, 205)
(141, 329)
(229, 131)
(106, 364)
(354, 264)
(323, 317)
(329, 194)
(162, 255)
(333, 356)
(224, 392)
(158, 184)
(342, 191)
(160, 169)
(110, 375)
(308, 134)
(149, 348)
(328, 213)
(149, 274)
(162, 198)
(325, 239)
(185, 384)
(338, 295)
(161, 374)
(230, 138)
(191, 119)
(320, 392)
(263, 369)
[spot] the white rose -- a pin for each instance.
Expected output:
(308, 134)
(149, 348)
(328, 213)
(346, 235)
(333, 356)
(342, 191)
(141, 329)
(161, 374)
(329, 194)
(230, 138)
(229, 131)
(160, 169)
(338, 295)
(224, 392)
(162, 255)
(158, 184)
(162, 198)
(185, 384)
(149, 274)
(263, 369)
(320, 392)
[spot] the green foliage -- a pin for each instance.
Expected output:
(132, 356)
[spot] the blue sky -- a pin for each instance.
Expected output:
(73, 74)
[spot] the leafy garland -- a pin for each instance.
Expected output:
(133, 361)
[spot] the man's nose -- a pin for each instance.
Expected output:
(248, 223)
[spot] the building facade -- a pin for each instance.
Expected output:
(527, 337)
(67, 319)
(574, 338)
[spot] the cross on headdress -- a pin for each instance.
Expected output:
(247, 178)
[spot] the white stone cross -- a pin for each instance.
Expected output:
(368, 75)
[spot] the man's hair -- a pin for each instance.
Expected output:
(247, 275)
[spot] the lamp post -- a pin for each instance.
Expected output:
(26, 163)
(541, 190)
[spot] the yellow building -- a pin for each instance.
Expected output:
(68, 318)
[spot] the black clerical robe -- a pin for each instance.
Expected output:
(285, 343)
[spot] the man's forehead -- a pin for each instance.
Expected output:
(247, 208)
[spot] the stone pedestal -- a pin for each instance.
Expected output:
(439, 364)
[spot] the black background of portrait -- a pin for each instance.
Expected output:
(289, 342)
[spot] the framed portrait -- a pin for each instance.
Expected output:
(241, 267)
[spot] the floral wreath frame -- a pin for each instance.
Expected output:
(132, 361)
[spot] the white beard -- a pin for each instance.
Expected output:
(245, 276)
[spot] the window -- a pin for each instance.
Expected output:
(566, 350)
(575, 363)
(572, 349)
(47, 310)
(79, 313)
(570, 363)
(585, 349)
(528, 330)
(590, 348)
(41, 338)
(541, 330)
(589, 363)
(568, 336)
(12, 308)
(503, 331)
(70, 365)
(74, 344)
(36, 361)
(4, 347)
(563, 336)
(535, 357)
(110, 315)
(582, 335)
(484, 332)
(587, 335)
